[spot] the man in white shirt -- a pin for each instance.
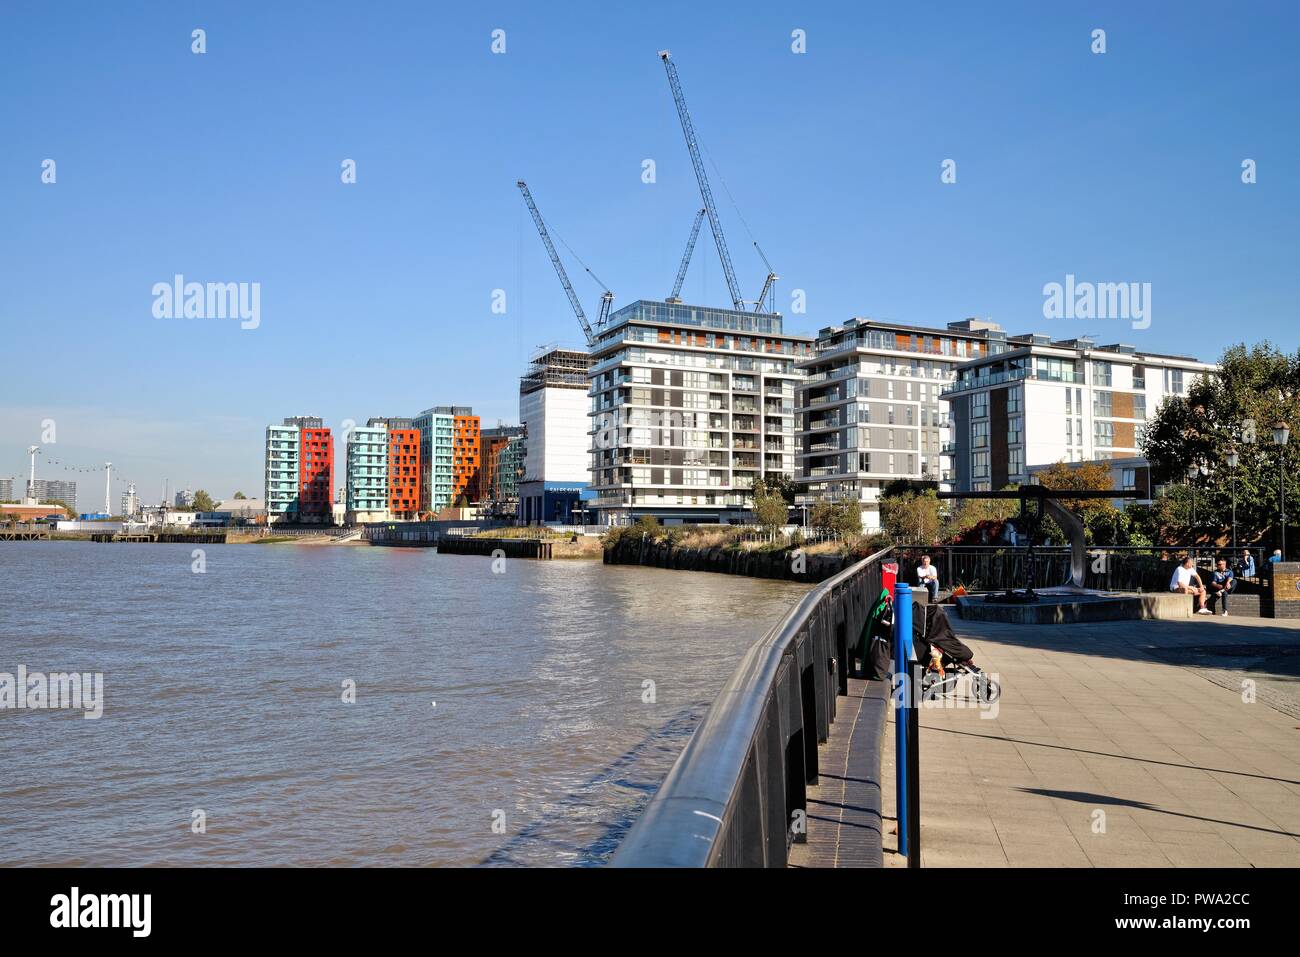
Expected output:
(928, 575)
(1187, 582)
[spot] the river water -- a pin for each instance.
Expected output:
(498, 718)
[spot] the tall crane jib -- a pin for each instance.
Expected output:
(706, 194)
(559, 269)
(686, 258)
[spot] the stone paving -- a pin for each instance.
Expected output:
(1101, 754)
(844, 806)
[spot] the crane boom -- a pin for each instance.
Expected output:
(767, 283)
(706, 194)
(686, 258)
(559, 266)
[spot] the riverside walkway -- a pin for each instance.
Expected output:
(1121, 744)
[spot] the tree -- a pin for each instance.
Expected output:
(971, 512)
(240, 497)
(911, 518)
(1235, 409)
(770, 509)
(782, 484)
(203, 502)
(63, 505)
(843, 518)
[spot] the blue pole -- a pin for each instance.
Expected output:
(902, 705)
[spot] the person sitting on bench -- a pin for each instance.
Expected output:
(1221, 583)
(928, 576)
(1186, 581)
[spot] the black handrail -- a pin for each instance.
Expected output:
(731, 797)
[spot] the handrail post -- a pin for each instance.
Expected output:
(902, 717)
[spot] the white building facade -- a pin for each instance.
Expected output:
(553, 412)
(1040, 401)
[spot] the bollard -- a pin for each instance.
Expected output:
(902, 707)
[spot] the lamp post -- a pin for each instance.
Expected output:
(1233, 459)
(1282, 435)
(1193, 470)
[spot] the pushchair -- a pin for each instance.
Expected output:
(949, 662)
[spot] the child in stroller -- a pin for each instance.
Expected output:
(948, 658)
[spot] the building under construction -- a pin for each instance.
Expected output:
(553, 412)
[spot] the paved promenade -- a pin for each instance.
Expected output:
(844, 806)
(1116, 744)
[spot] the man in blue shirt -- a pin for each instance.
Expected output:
(1221, 584)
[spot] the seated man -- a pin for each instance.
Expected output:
(1186, 581)
(928, 575)
(1221, 583)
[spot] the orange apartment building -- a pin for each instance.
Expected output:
(403, 468)
(467, 460)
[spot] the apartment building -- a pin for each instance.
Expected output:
(556, 444)
(299, 471)
(870, 411)
(500, 485)
(1039, 401)
(688, 406)
(43, 490)
(403, 467)
(466, 455)
(366, 491)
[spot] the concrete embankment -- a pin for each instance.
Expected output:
(787, 564)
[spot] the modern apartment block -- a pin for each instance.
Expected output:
(500, 485)
(554, 414)
(403, 467)
(299, 471)
(366, 494)
(1038, 401)
(43, 490)
(466, 458)
(448, 456)
(689, 405)
(869, 409)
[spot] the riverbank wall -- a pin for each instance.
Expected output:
(789, 564)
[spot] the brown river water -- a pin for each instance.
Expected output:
(499, 719)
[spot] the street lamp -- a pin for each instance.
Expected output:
(1193, 471)
(1282, 435)
(1233, 459)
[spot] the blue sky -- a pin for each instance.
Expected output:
(376, 297)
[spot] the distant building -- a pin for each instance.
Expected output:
(366, 495)
(500, 467)
(553, 412)
(689, 405)
(1037, 401)
(448, 456)
(299, 471)
(44, 490)
(130, 503)
(870, 411)
(403, 467)
(184, 498)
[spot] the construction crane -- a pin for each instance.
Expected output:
(767, 284)
(686, 259)
(706, 194)
(606, 299)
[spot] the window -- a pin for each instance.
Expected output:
(1016, 399)
(1101, 373)
(1069, 430)
(1174, 381)
(1015, 430)
(979, 405)
(1103, 434)
(979, 465)
(1101, 404)
(1127, 479)
(1069, 406)
(1015, 462)
(979, 435)
(1139, 377)
(1058, 370)
(1139, 406)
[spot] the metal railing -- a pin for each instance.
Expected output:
(731, 797)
